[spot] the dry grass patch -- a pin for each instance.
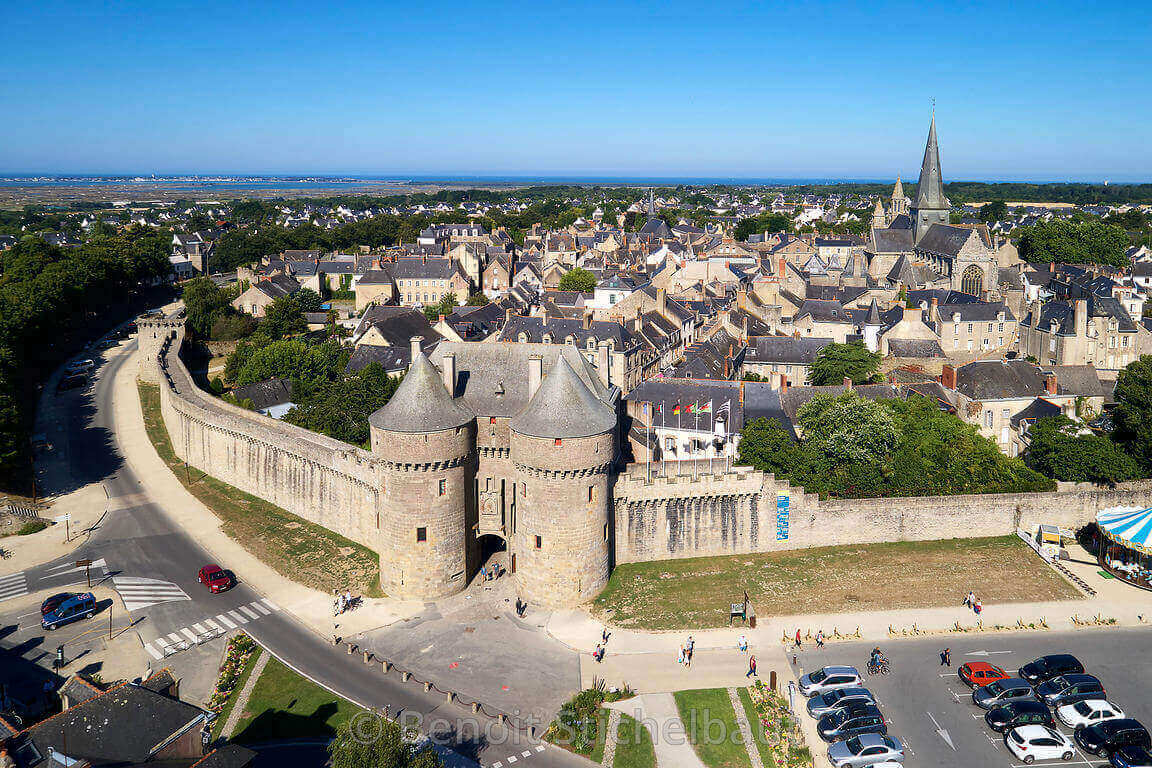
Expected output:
(304, 552)
(678, 594)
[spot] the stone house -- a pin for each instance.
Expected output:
(1096, 331)
(775, 357)
(261, 294)
(375, 287)
(427, 280)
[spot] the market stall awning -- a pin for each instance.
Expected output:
(1128, 526)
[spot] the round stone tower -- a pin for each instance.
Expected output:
(562, 447)
(427, 441)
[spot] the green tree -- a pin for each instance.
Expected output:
(1074, 242)
(768, 447)
(443, 307)
(836, 362)
(997, 210)
(578, 280)
(1056, 450)
(340, 408)
(848, 428)
(478, 299)
(282, 318)
(1132, 416)
(307, 300)
(369, 741)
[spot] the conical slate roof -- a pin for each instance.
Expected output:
(898, 190)
(930, 192)
(873, 316)
(564, 406)
(421, 403)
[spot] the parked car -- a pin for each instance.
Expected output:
(1088, 712)
(823, 703)
(1069, 689)
(214, 578)
(52, 603)
(867, 749)
(979, 673)
(1107, 737)
(1001, 692)
(74, 608)
(80, 366)
(1030, 743)
(72, 381)
(1131, 757)
(1017, 713)
(1048, 667)
(828, 679)
(852, 720)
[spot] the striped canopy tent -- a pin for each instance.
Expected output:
(1129, 527)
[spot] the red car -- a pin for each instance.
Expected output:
(215, 578)
(978, 673)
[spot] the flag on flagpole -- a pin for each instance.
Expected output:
(676, 409)
(706, 408)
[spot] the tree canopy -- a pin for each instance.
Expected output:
(765, 222)
(836, 362)
(997, 210)
(368, 740)
(578, 279)
(1074, 242)
(1132, 417)
(1058, 451)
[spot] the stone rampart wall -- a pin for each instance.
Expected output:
(737, 513)
(322, 480)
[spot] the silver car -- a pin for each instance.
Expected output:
(1001, 692)
(823, 703)
(866, 749)
(827, 679)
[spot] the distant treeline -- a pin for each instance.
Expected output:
(980, 191)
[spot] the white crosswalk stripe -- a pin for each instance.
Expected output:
(138, 593)
(206, 630)
(13, 585)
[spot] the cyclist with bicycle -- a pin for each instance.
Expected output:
(877, 662)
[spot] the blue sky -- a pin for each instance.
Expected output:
(1045, 91)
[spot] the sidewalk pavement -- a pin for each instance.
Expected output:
(310, 606)
(658, 713)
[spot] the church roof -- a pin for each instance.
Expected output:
(656, 227)
(892, 240)
(898, 190)
(873, 316)
(564, 406)
(950, 240)
(421, 403)
(930, 190)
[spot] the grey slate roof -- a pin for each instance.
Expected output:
(564, 406)
(668, 391)
(914, 348)
(793, 350)
(947, 239)
(999, 379)
(930, 188)
(265, 394)
(421, 403)
(892, 241)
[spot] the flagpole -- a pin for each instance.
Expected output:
(679, 429)
(663, 433)
(649, 446)
(695, 430)
(711, 437)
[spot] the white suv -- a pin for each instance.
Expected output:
(1039, 742)
(1088, 712)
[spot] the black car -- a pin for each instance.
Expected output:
(1131, 757)
(851, 721)
(1108, 736)
(1048, 667)
(1017, 713)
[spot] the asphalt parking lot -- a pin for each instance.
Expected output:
(931, 710)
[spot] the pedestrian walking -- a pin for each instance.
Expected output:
(598, 654)
(979, 606)
(691, 645)
(340, 604)
(335, 603)
(604, 636)
(970, 601)
(742, 644)
(820, 638)
(348, 600)
(946, 657)
(751, 667)
(797, 638)
(680, 657)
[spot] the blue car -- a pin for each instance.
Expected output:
(76, 607)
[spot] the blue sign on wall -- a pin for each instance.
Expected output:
(781, 518)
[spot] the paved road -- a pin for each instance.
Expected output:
(153, 564)
(928, 706)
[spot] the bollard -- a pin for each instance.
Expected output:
(351, 649)
(772, 679)
(367, 657)
(475, 707)
(387, 665)
(427, 687)
(500, 718)
(450, 696)
(405, 676)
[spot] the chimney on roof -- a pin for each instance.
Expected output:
(781, 268)
(508, 315)
(1050, 383)
(848, 383)
(448, 371)
(661, 301)
(535, 373)
(1080, 317)
(948, 377)
(586, 319)
(543, 316)
(744, 330)
(414, 347)
(1052, 267)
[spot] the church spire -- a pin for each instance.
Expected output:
(651, 203)
(898, 190)
(930, 190)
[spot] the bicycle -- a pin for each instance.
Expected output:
(879, 668)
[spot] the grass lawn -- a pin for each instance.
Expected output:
(284, 705)
(711, 727)
(678, 594)
(304, 552)
(634, 745)
(602, 716)
(222, 718)
(766, 756)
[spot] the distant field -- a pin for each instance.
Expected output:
(678, 594)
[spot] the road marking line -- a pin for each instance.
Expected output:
(154, 653)
(270, 604)
(160, 641)
(511, 758)
(540, 748)
(189, 634)
(526, 753)
(175, 638)
(238, 617)
(211, 624)
(260, 608)
(226, 621)
(248, 612)
(198, 628)
(497, 764)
